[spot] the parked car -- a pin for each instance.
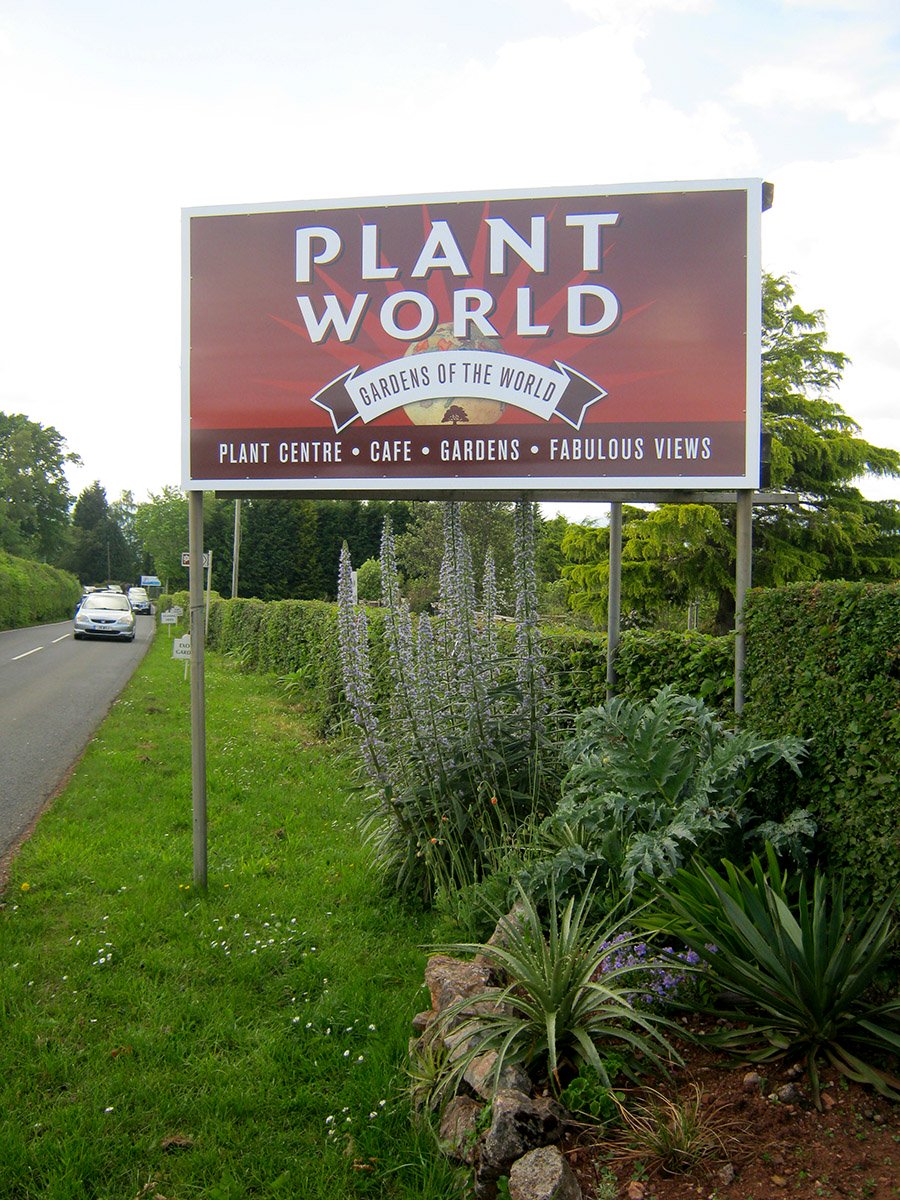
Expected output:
(139, 599)
(105, 614)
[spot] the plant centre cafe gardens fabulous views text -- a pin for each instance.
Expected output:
(573, 340)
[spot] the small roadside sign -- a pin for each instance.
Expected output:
(186, 558)
(169, 617)
(181, 647)
(177, 610)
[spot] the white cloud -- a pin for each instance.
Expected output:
(107, 138)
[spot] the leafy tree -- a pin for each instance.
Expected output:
(682, 553)
(161, 524)
(100, 551)
(34, 513)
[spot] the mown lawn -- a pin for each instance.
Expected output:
(247, 1042)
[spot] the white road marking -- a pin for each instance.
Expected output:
(27, 652)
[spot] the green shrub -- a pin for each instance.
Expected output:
(32, 593)
(556, 1013)
(648, 785)
(823, 663)
(695, 664)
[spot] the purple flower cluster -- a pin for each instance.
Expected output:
(658, 981)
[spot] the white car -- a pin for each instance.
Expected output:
(139, 600)
(105, 614)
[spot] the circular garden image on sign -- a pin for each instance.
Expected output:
(454, 410)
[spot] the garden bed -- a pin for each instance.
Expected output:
(767, 1139)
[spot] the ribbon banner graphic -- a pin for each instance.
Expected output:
(557, 391)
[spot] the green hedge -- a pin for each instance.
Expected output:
(697, 664)
(299, 638)
(823, 662)
(32, 593)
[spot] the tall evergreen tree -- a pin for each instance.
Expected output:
(679, 553)
(280, 551)
(100, 552)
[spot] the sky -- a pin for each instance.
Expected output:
(118, 115)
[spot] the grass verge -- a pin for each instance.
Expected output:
(246, 1042)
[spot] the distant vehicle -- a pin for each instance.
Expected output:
(114, 587)
(139, 599)
(105, 614)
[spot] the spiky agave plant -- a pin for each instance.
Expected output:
(802, 967)
(554, 1011)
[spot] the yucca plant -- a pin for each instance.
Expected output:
(552, 1016)
(802, 967)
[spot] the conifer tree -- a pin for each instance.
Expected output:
(681, 553)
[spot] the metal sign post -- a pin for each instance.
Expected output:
(614, 602)
(198, 686)
(237, 549)
(743, 575)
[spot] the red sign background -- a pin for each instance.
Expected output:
(670, 389)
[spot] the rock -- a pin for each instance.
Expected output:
(636, 1190)
(422, 1020)
(787, 1093)
(479, 1075)
(752, 1080)
(779, 1180)
(457, 1134)
(511, 923)
(725, 1175)
(449, 979)
(518, 1124)
(543, 1174)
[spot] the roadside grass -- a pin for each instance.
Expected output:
(246, 1042)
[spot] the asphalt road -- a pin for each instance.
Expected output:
(54, 692)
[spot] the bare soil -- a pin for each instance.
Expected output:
(765, 1141)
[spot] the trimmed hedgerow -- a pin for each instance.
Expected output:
(823, 662)
(299, 638)
(32, 593)
(694, 664)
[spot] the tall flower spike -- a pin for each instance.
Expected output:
(489, 617)
(404, 714)
(354, 649)
(530, 667)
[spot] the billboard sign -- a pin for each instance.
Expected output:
(550, 342)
